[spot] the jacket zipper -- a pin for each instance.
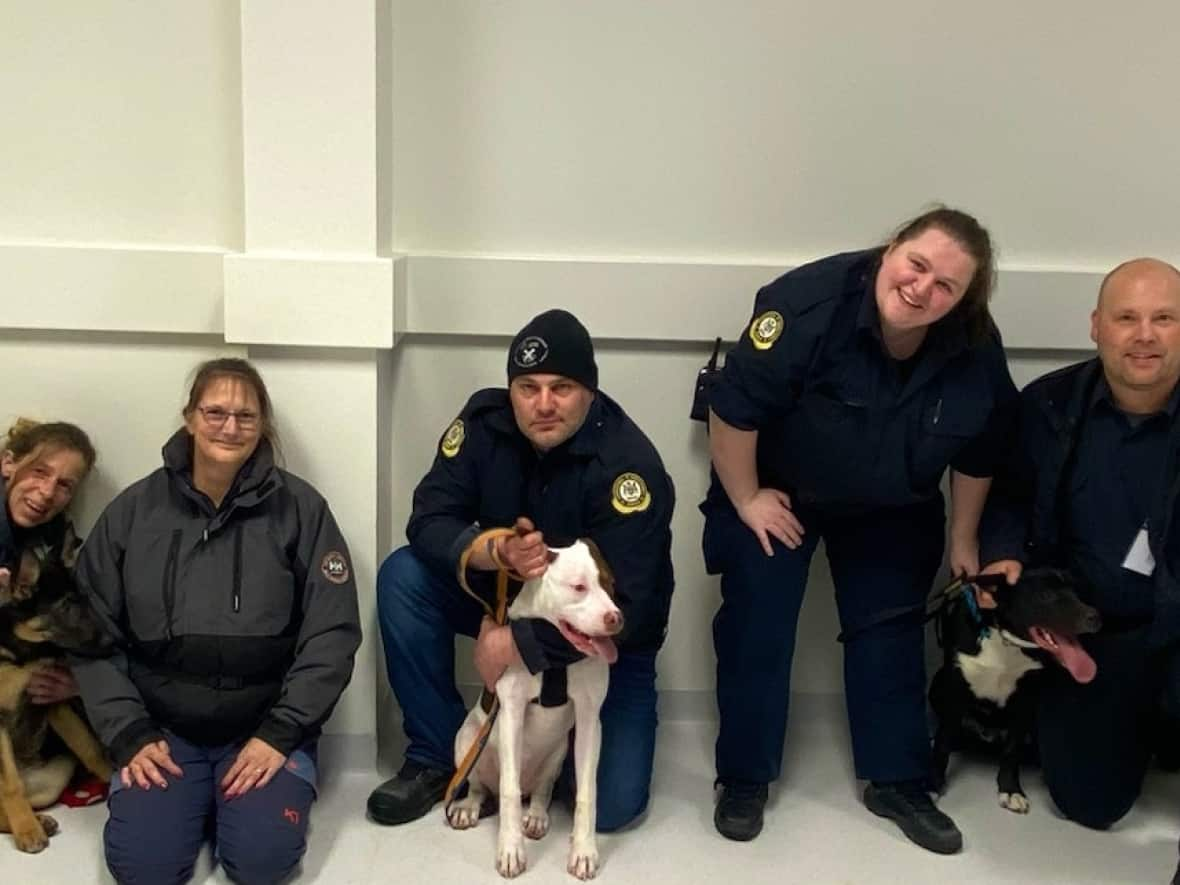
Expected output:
(237, 588)
(171, 567)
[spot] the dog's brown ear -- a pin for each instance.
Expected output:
(605, 576)
(552, 555)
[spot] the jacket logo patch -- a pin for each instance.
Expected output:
(452, 440)
(765, 329)
(335, 567)
(531, 352)
(629, 494)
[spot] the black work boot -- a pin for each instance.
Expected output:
(908, 805)
(739, 810)
(409, 795)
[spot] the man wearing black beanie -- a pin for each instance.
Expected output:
(558, 459)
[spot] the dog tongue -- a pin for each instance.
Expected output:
(604, 647)
(1069, 654)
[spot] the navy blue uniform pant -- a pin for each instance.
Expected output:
(153, 837)
(1096, 740)
(420, 613)
(882, 561)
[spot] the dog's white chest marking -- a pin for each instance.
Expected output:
(994, 672)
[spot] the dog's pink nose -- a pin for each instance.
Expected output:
(613, 621)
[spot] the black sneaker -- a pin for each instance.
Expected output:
(408, 796)
(739, 810)
(908, 805)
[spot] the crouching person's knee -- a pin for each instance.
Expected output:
(1091, 808)
(264, 864)
(619, 811)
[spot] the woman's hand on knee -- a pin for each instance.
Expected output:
(147, 766)
(257, 763)
(768, 514)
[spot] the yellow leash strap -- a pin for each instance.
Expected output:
(483, 541)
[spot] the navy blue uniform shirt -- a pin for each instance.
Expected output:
(1114, 485)
(606, 483)
(843, 427)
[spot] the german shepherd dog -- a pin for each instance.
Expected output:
(42, 617)
(985, 693)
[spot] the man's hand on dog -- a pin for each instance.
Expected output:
(768, 514)
(1009, 568)
(144, 769)
(52, 684)
(525, 552)
(257, 763)
(495, 652)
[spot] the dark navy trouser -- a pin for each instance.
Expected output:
(1096, 740)
(153, 837)
(881, 561)
(420, 613)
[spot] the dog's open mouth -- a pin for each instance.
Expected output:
(1067, 651)
(599, 646)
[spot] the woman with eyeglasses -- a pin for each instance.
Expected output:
(229, 589)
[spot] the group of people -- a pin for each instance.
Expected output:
(858, 380)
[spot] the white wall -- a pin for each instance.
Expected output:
(311, 184)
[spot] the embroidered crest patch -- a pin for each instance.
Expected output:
(765, 329)
(629, 494)
(452, 440)
(335, 567)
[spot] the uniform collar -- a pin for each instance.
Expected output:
(583, 443)
(1103, 394)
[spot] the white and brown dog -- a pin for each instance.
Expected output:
(528, 743)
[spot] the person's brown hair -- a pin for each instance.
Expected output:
(27, 440)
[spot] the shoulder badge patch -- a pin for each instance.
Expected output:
(452, 440)
(629, 494)
(335, 567)
(765, 329)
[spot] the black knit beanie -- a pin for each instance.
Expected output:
(554, 343)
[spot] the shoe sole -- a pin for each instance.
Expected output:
(937, 847)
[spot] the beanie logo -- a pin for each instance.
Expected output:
(765, 329)
(629, 494)
(531, 352)
(452, 440)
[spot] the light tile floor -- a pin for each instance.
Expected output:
(816, 832)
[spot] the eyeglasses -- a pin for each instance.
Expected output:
(215, 416)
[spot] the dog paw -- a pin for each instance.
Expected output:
(48, 824)
(583, 859)
(32, 839)
(1017, 802)
(463, 814)
(536, 823)
(510, 857)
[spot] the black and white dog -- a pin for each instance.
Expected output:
(985, 691)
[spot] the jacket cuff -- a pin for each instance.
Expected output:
(461, 543)
(283, 736)
(132, 739)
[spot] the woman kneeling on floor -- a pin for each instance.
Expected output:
(230, 593)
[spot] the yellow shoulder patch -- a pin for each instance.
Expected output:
(766, 328)
(452, 440)
(629, 494)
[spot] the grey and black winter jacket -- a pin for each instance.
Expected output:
(231, 622)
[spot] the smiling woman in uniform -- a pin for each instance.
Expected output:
(858, 381)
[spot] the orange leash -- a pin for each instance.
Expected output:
(483, 541)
